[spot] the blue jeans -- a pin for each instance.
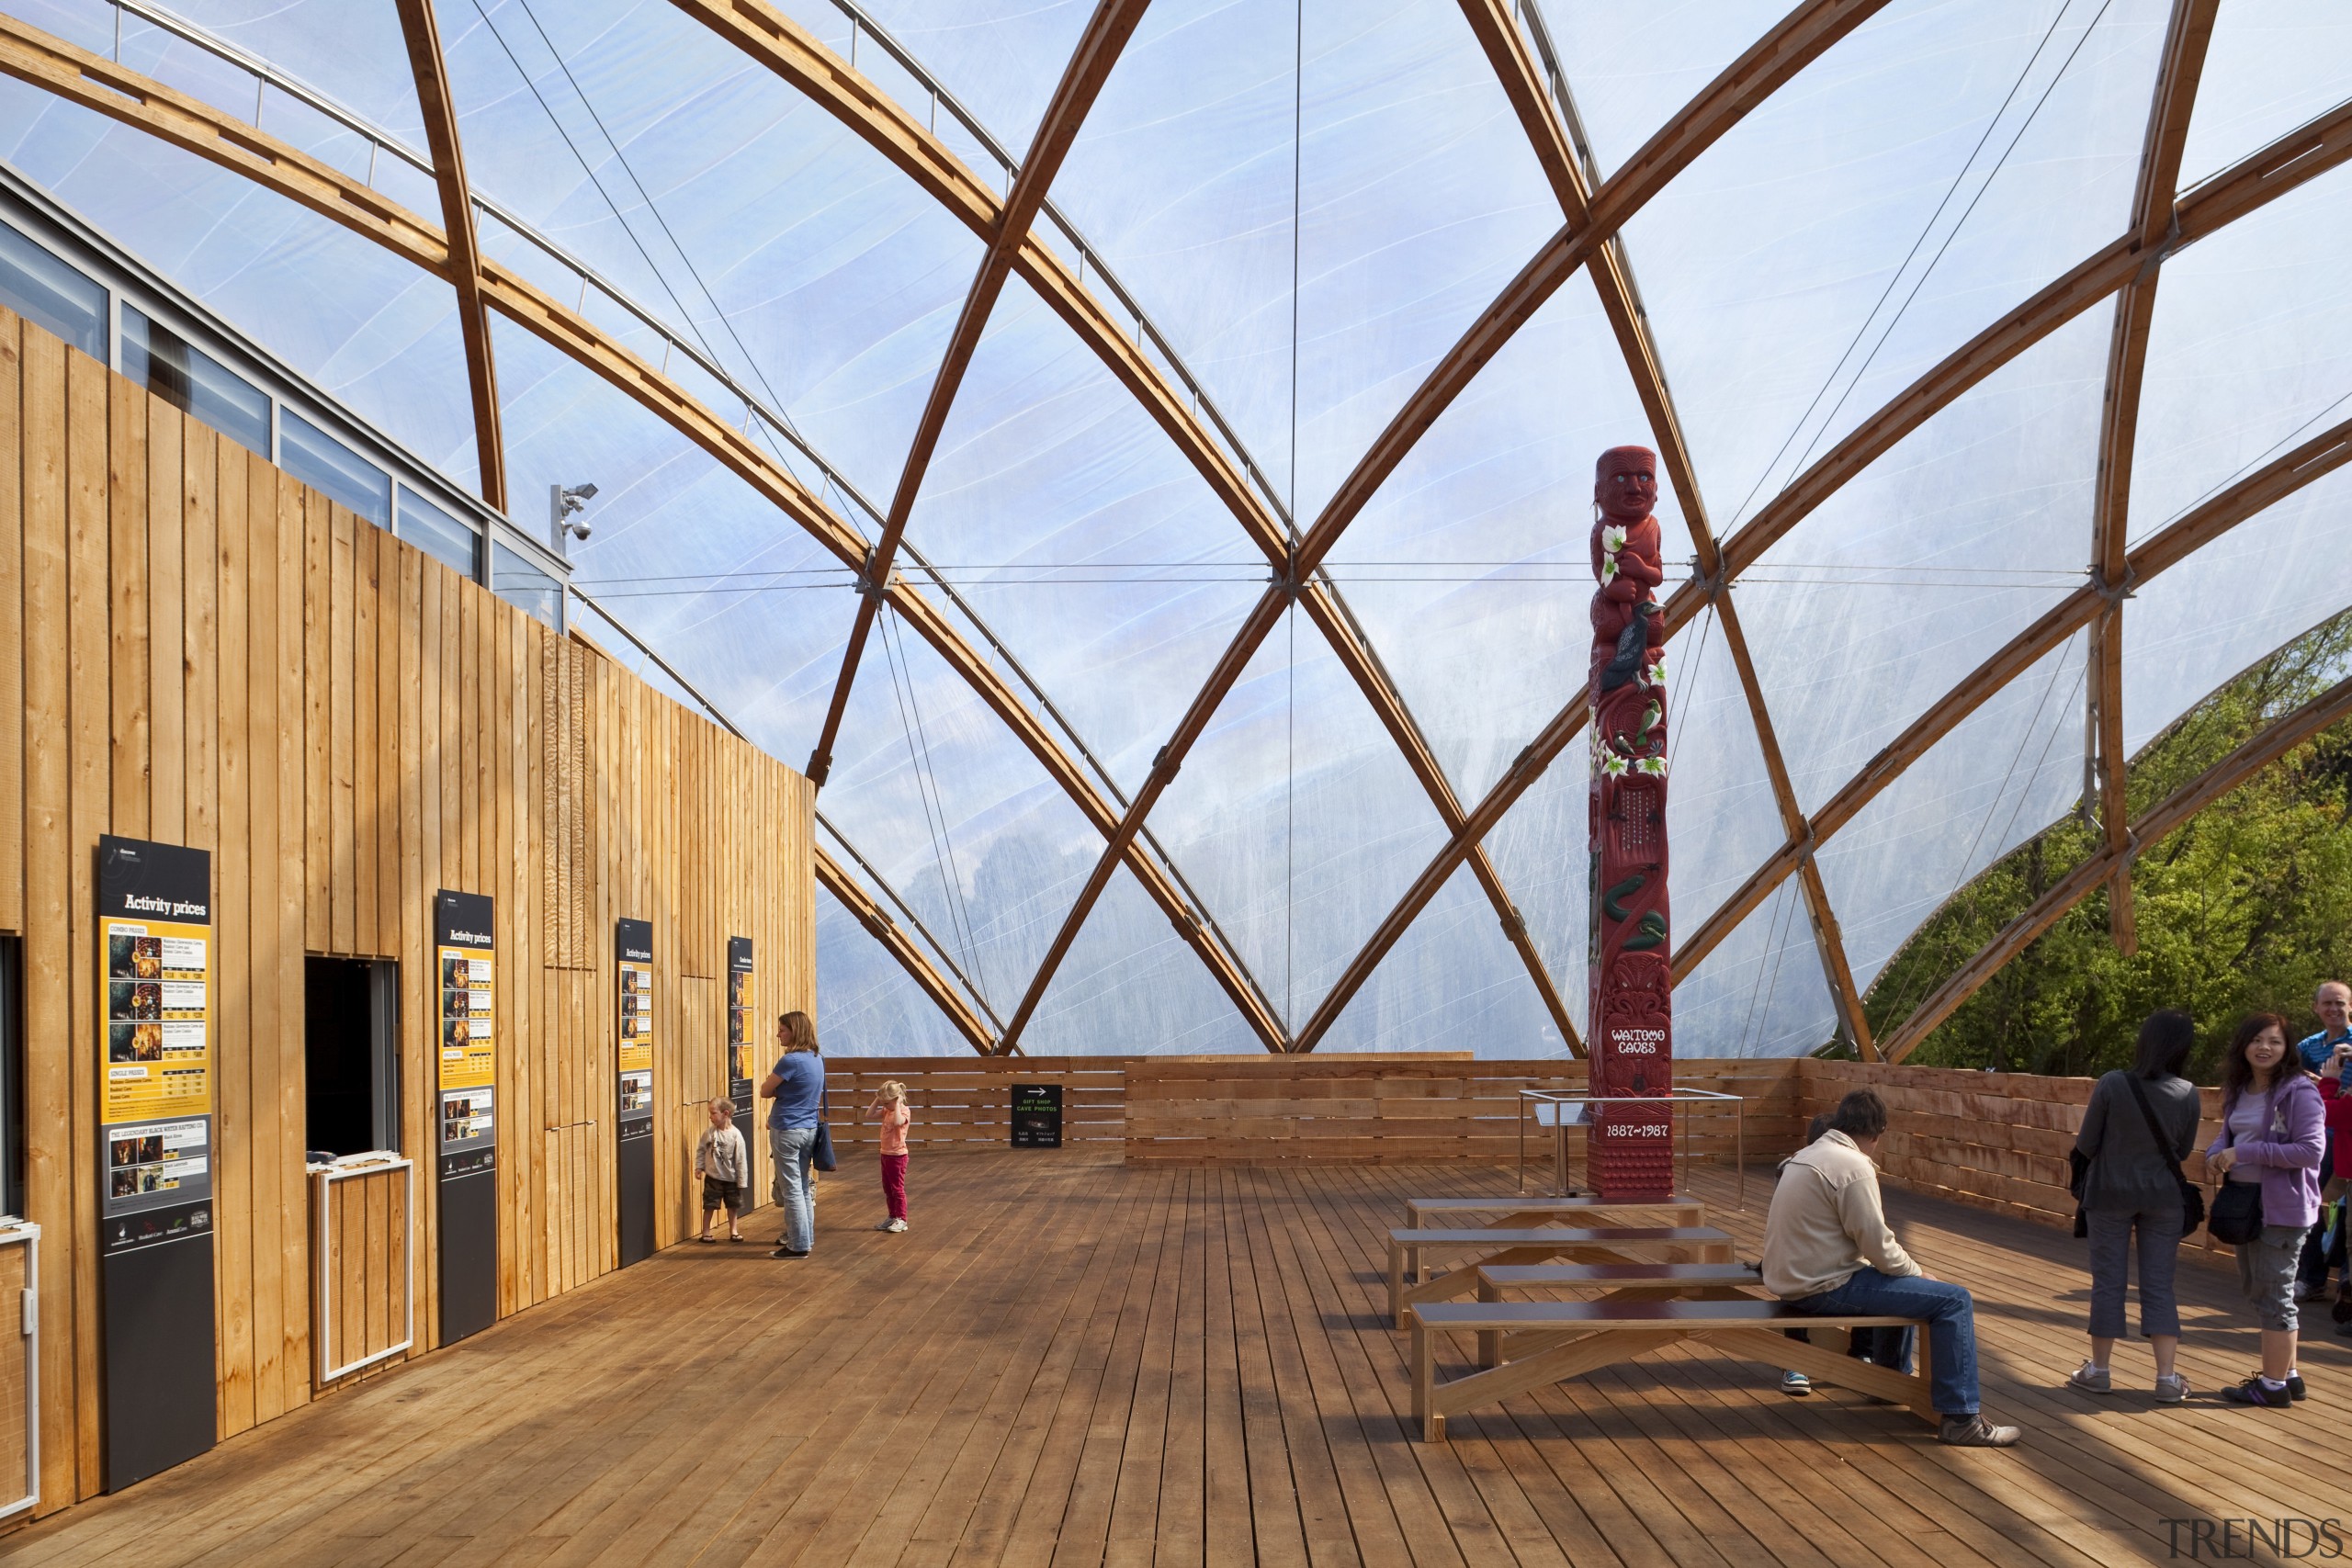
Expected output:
(793, 1148)
(1947, 1310)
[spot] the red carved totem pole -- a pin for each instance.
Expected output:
(1631, 1022)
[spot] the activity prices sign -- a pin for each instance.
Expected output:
(155, 1041)
(467, 1033)
(743, 1050)
(633, 953)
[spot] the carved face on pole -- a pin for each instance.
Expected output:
(1624, 484)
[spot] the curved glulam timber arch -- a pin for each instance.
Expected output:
(431, 70)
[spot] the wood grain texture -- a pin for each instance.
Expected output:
(1070, 1360)
(201, 649)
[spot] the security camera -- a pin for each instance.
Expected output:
(578, 530)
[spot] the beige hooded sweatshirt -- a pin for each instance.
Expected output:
(1825, 1224)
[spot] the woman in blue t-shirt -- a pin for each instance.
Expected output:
(797, 1086)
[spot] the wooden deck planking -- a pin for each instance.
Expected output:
(1073, 1361)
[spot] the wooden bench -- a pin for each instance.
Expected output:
(1408, 1247)
(1595, 1333)
(1511, 1210)
(1616, 1282)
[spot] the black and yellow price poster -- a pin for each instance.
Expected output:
(633, 947)
(743, 1067)
(155, 1047)
(467, 1034)
(155, 998)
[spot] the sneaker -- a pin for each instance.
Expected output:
(1976, 1432)
(1796, 1385)
(886, 1225)
(897, 1227)
(2091, 1378)
(2253, 1392)
(2171, 1389)
(2342, 1310)
(788, 1252)
(2294, 1384)
(2310, 1289)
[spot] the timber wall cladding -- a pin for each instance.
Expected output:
(202, 651)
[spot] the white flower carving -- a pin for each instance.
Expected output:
(1612, 539)
(1654, 766)
(1608, 569)
(1614, 766)
(1657, 673)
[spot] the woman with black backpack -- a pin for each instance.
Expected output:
(2139, 1126)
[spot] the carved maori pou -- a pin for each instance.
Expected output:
(1632, 1021)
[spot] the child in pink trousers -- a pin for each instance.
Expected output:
(889, 1108)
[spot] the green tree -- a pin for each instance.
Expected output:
(2247, 907)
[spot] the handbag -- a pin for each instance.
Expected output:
(2236, 1219)
(821, 1154)
(2192, 1197)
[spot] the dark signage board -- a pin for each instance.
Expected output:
(633, 1057)
(1037, 1116)
(745, 1068)
(466, 1042)
(155, 1155)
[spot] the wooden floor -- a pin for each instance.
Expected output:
(1067, 1361)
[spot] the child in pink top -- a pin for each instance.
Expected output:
(889, 1108)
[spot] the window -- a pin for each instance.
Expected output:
(12, 1075)
(50, 295)
(440, 536)
(351, 1052)
(516, 580)
(192, 380)
(333, 469)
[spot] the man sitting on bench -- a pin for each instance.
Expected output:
(1827, 1249)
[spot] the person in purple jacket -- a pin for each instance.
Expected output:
(2272, 1133)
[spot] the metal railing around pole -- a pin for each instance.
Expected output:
(1537, 1099)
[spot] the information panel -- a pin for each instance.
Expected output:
(1037, 1116)
(156, 1122)
(466, 1039)
(633, 1059)
(744, 1068)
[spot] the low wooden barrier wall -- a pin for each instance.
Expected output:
(1996, 1141)
(1399, 1108)
(964, 1103)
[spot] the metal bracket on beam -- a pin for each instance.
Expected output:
(2160, 251)
(1162, 763)
(819, 764)
(2116, 593)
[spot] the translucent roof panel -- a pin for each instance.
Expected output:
(1471, 568)
(723, 201)
(1293, 213)
(1761, 992)
(2272, 66)
(867, 1000)
(2008, 770)
(1453, 983)
(1418, 199)
(2187, 631)
(1184, 175)
(1928, 561)
(2250, 351)
(1297, 819)
(1079, 534)
(1923, 175)
(1130, 986)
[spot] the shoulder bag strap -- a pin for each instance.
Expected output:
(2164, 1145)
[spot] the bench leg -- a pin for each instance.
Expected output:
(1397, 1280)
(1490, 1340)
(1433, 1424)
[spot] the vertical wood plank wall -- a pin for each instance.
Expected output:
(201, 650)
